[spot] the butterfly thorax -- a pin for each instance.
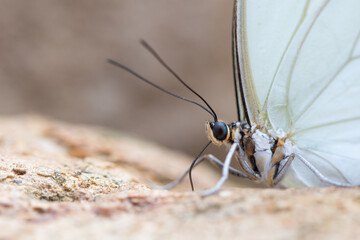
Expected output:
(261, 156)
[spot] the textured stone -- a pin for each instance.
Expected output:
(61, 181)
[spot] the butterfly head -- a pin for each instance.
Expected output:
(218, 132)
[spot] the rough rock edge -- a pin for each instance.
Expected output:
(65, 179)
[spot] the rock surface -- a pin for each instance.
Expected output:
(61, 181)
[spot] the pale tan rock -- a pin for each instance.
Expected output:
(60, 181)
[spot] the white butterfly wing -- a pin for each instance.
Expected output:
(261, 45)
(301, 74)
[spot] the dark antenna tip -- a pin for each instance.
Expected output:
(110, 61)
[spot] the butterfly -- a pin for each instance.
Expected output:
(297, 85)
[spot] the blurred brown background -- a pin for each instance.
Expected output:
(53, 62)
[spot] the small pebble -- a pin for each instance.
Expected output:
(19, 171)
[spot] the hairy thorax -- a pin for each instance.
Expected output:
(261, 156)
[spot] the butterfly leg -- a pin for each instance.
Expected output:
(213, 160)
(172, 184)
(218, 163)
(283, 168)
(246, 159)
(225, 172)
(320, 175)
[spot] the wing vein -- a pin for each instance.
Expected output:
(327, 161)
(327, 124)
(331, 80)
(284, 52)
(296, 59)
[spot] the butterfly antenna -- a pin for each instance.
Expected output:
(162, 62)
(117, 64)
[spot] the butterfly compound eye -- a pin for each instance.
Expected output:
(220, 130)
